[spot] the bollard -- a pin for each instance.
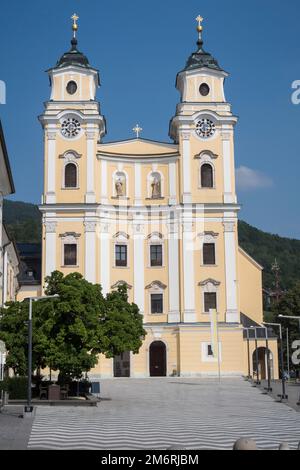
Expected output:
(244, 444)
(284, 446)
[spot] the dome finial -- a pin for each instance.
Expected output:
(75, 18)
(199, 20)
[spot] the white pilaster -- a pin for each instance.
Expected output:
(90, 157)
(227, 167)
(90, 251)
(138, 184)
(188, 272)
(5, 276)
(50, 247)
(51, 153)
(172, 183)
(174, 287)
(105, 263)
(232, 315)
(186, 167)
(104, 197)
(139, 268)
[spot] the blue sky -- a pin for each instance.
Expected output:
(139, 46)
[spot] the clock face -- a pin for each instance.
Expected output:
(205, 128)
(70, 127)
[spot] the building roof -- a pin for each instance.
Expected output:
(73, 57)
(202, 59)
(6, 179)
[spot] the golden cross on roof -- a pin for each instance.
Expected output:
(75, 18)
(137, 129)
(199, 19)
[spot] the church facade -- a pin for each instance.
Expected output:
(159, 217)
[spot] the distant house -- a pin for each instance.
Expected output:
(8, 256)
(29, 277)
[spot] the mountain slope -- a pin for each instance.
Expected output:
(23, 221)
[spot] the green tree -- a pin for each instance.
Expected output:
(289, 305)
(69, 332)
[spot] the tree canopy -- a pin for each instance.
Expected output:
(70, 331)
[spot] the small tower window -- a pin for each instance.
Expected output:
(207, 180)
(71, 175)
(204, 89)
(71, 87)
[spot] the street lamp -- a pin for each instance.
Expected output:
(269, 388)
(289, 317)
(284, 395)
(248, 350)
(28, 407)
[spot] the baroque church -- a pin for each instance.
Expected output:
(159, 217)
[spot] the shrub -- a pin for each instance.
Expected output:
(15, 386)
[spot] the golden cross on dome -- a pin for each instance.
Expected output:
(75, 18)
(137, 129)
(199, 19)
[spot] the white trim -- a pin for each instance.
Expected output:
(138, 184)
(105, 260)
(231, 272)
(172, 183)
(90, 251)
(186, 167)
(139, 269)
(104, 194)
(50, 195)
(227, 167)
(173, 273)
(50, 248)
(90, 189)
(188, 273)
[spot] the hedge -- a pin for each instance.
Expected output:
(15, 386)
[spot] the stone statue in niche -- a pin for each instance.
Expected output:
(119, 185)
(156, 187)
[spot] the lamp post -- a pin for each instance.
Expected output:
(28, 407)
(256, 354)
(269, 388)
(248, 352)
(283, 396)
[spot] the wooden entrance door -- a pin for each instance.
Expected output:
(122, 365)
(158, 359)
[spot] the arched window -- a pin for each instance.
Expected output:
(71, 175)
(207, 178)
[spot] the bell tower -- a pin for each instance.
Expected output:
(203, 127)
(73, 125)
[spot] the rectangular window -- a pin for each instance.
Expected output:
(210, 301)
(156, 303)
(156, 255)
(209, 255)
(121, 255)
(70, 254)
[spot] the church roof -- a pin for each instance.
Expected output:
(73, 57)
(138, 148)
(200, 58)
